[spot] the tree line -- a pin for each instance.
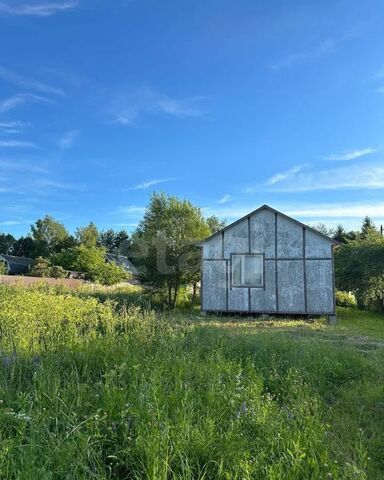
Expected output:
(164, 248)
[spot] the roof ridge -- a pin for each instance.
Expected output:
(268, 207)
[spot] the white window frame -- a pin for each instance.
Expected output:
(243, 256)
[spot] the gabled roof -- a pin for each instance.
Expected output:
(17, 265)
(25, 261)
(122, 262)
(267, 207)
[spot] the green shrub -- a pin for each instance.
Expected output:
(91, 260)
(345, 299)
(41, 268)
(3, 268)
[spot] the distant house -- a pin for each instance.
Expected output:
(122, 262)
(268, 263)
(17, 265)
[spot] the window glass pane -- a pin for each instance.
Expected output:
(253, 270)
(236, 270)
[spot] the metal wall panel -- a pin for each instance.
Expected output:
(289, 238)
(213, 248)
(214, 295)
(264, 300)
(238, 299)
(317, 246)
(319, 279)
(236, 239)
(262, 226)
(290, 284)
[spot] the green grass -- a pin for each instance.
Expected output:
(91, 392)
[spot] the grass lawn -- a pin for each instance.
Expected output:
(88, 392)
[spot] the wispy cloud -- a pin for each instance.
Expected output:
(278, 177)
(21, 167)
(131, 210)
(68, 139)
(17, 144)
(11, 128)
(10, 223)
(337, 210)
(129, 107)
(225, 198)
(347, 213)
(28, 83)
(358, 177)
(324, 47)
(45, 9)
(151, 183)
(351, 154)
(20, 99)
(15, 124)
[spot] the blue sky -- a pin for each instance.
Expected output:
(231, 104)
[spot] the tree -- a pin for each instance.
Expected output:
(92, 262)
(88, 235)
(165, 242)
(49, 236)
(114, 242)
(359, 268)
(23, 247)
(41, 268)
(215, 224)
(368, 228)
(6, 242)
(342, 236)
(322, 228)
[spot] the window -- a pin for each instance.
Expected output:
(247, 271)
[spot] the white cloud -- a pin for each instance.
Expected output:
(337, 210)
(28, 83)
(331, 214)
(131, 210)
(17, 144)
(151, 183)
(326, 46)
(10, 223)
(351, 155)
(278, 177)
(14, 124)
(358, 177)
(68, 139)
(20, 99)
(22, 167)
(45, 9)
(225, 198)
(129, 107)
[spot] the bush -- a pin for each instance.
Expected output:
(345, 299)
(41, 268)
(58, 272)
(91, 261)
(3, 268)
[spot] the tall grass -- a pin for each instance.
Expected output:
(91, 391)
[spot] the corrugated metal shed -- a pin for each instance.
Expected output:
(267, 262)
(17, 265)
(123, 262)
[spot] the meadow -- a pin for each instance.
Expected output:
(96, 387)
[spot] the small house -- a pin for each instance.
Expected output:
(16, 265)
(268, 263)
